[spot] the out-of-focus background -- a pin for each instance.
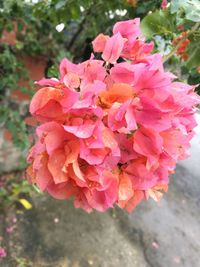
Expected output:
(38, 231)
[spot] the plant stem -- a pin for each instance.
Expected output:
(193, 29)
(81, 26)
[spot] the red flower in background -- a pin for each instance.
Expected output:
(164, 4)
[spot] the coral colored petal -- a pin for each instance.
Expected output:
(42, 97)
(125, 189)
(134, 201)
(56, 166)
(100, 42)
(61, 190)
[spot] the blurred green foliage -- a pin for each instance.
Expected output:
(14, 189)
(180, 16)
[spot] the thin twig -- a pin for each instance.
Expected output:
(81, 26)
(194, 28)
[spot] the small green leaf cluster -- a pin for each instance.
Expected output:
(181, 16)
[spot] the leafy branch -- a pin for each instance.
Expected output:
(193, 29)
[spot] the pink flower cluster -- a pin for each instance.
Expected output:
(111, 132)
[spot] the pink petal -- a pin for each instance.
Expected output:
(128, 29)
(48, 82)
(147, 142)
(66, 66)
(100, 42)
(81, 131)
(113, 48)
(61, 190)
(123, 73)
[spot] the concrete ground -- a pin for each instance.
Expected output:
(54, 234)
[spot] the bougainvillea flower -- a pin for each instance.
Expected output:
(89, 94)
(58, 168)
(141, 178)
(48, 82)
(134, 48)
(101, 192)
(51, 103)
(137, 51)
(67, 67)
(148, 143)
(121, 117)
(138, 196)
(113, 48)
(128, 29)
(92, 70)
(119, 92)
(123, 73)
(126, 191)
(71, 80)
(164, 4)
(111, 133)
(127, 151)
(156, 192)
(100, 42)
(99, 146)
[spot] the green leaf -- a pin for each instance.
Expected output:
(193, 51)
(156, 23)
(36, 189)
(190, 9)
(19, 45)
(60, 4)
(194, 58)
